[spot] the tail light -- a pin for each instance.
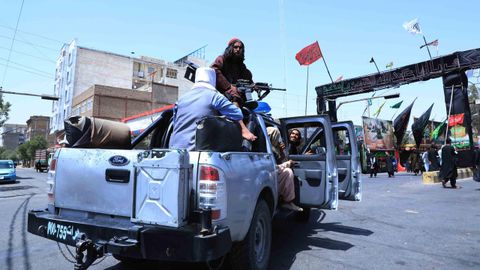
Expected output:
(212, 191)
(51, 183)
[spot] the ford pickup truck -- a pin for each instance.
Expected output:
(154, 203)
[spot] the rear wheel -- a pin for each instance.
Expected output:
(254, 251)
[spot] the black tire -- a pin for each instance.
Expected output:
(304, 216)
(254, 251)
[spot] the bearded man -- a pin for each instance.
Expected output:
(230, 68)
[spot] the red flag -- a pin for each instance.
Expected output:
(456, 119)
(309, 54)
(339, 79)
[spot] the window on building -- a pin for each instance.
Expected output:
(171, 73)
(68, 77)
(150, 70)
(83, 107)
(89, 104)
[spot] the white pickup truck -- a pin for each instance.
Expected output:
(155, 203)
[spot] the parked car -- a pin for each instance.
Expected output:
(8, 172)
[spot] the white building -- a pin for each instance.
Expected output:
(79, 68)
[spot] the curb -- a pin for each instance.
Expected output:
(432, 177)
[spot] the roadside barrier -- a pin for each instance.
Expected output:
(432, 177)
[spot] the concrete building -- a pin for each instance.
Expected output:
(12, 135)
(79, 69)
(114, 103)
(39, 126)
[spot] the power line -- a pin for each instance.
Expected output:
(24, 66)
(32, 34)
(13, 42)
(26, 54)
(29, 43)
(28, 71)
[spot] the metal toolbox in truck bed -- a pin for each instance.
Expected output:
(161, 187)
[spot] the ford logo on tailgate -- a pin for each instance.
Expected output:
(118, 160)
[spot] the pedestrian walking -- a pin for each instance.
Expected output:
(389, 162)
(433, 158)
(476, 175)
(426, 163)
(372, 164)
(415, 162)
(448, 171)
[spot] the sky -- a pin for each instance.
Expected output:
(349, 34)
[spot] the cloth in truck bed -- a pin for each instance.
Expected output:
(91, 132)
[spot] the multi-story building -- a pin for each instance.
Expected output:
(12, 135)
(114, 103)
(39, 126)
(79, 69)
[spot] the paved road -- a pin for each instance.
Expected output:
(400, 224)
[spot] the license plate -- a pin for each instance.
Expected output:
(62, 232)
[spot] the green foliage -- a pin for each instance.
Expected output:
(27, 150)
(4, 110)
(474, 109)
(9, 154)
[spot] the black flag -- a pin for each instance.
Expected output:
(400, 124)
(419, 126)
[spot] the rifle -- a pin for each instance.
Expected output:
(262, 89)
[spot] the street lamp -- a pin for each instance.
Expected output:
(396, 95)
(43, 96)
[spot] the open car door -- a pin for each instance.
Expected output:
(316, 170)
(348, 161)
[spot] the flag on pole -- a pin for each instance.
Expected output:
(339, 79)
(433, 43)
(401, 122)
(419, 126)
(439, 130)
(456, 119)
(412, 26)
(396, 105)
(309, 54)
(372, 60)
(378, 110)
(389, 65)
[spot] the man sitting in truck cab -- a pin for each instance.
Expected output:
(203, 100)
(286, 188)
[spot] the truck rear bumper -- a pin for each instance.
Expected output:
(136, 241)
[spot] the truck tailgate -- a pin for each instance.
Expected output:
(96, 180)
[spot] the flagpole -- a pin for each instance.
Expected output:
(395, 113)
(426, 45)
(449, 112)
(306, 92)
(328, 71)
(376, 65)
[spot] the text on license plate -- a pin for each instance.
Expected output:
(62, 232)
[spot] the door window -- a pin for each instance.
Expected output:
(306, 139)
(342, 142)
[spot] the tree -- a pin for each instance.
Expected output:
(474, 109)
(34, 144)
(4, 110)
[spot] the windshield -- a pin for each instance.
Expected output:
(6, 165)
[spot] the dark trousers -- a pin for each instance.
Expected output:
(453, 181)
(373, 172)
(390, 174)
